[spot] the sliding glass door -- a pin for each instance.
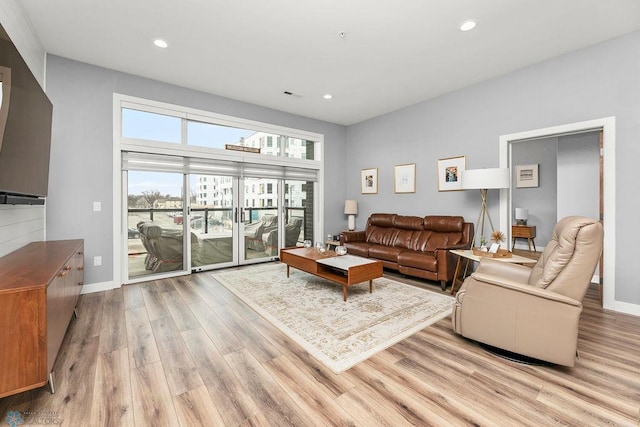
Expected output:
(260, 219)
(212, 221)
(154, 219)
(227, 221)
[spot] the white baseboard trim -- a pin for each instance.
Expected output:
(626, 308)
(98, 287)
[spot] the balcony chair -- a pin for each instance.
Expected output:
(291, 235)
(253, 232)
(164, 247)
(533, 312)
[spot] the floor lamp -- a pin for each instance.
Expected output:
(484, 180)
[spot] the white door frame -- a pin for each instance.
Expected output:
(607, 125)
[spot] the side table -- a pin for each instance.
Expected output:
(332, 244)
(524, 232)
(468, 255)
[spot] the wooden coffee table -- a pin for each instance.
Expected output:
(347, 270)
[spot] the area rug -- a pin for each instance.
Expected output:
(311, 311)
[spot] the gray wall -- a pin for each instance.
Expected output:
(596, 82)
(541, 201)
(82, 151)
(579, 173)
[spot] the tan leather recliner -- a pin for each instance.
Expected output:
(533, 311)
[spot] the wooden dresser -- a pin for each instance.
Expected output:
(39, 288)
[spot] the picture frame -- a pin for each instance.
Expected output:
(404, 178)
(369, 181)
(527, 176)
(450, 173)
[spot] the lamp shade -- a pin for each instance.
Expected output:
(481, 179)
(350, 207)
(522, 213)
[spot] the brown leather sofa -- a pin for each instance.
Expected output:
(415, 246)
(533, 311)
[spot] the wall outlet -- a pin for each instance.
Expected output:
(97, 261)
(97, 206)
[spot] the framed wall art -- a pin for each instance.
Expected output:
(527, 176)
(404, 178)
(450, 173)
(369, 181)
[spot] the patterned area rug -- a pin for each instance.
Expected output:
(311, 311)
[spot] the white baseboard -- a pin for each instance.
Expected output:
(626, 308)
(98, 287)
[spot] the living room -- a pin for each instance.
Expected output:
(591, 83)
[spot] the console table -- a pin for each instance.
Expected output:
(39, 288)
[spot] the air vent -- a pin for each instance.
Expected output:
(289, 93)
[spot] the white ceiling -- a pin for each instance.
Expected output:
(394, 53)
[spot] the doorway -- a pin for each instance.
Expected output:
(607, 126)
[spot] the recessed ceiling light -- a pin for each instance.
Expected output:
(328, 96)
(467, 25)
(160, 43)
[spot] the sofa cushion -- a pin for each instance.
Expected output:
(408, 222)
(387, 253)
(358, 248)
(444, 224)
(404, 238)
(422, 260)
(381, 235)
(382, 220)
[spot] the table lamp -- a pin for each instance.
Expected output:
(522, 215)
(351, 209)
(484, 180)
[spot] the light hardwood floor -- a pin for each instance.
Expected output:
(185, 351)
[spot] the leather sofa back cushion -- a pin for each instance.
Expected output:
(382, 220)
(408, 222)
(381, 235)
(414, 233)
(444, 224)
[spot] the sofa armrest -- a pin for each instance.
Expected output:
(447, 261)
(352, 236)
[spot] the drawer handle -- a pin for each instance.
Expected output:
(81, 268)
(63, 273)
(67, 267)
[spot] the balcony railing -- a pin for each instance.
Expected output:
(225, 216)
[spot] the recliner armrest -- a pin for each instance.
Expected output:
(523, 288)
(506, 270)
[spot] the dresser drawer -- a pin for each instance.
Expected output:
(524, 231)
